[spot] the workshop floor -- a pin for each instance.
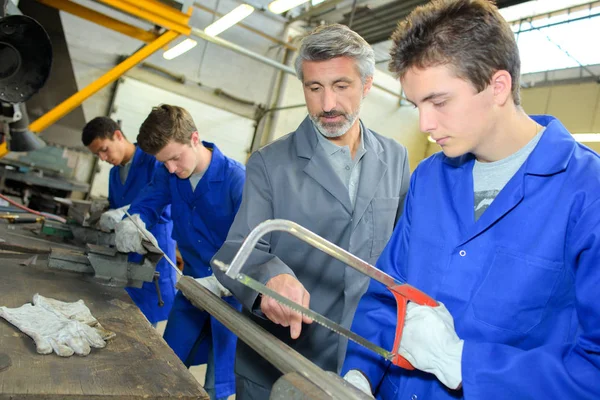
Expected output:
(198, 371)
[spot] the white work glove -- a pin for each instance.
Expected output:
(111, 218)
(359, 381)
(53, 332)
(429, 342)
(212, 284)
(76, 310)
(129, 239)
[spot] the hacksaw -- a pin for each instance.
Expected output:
(403, 293)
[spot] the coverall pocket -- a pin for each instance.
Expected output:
(384, 218)
(514, 294)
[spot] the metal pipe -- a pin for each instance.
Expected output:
(75, 100)
(282, 225)
(260, 33)
(239, 49)
(272, 349)
(101, 19)
(148, 16)
(157, 8)
(325, 6)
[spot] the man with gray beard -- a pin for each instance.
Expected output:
(333, 176)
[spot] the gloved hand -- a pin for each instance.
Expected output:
(212, 284)
(53, 332)
(111, 218)
(429, 342)
(129, 239)
(358, 380)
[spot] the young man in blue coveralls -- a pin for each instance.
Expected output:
(204, 188)
(133, 170)
(502, 228)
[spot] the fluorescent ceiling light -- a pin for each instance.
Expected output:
(181, 48)
(280, 6)
(587, 137)
(315, 2)
(229, 19)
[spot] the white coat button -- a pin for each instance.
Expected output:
(347, 168)
(462, 253)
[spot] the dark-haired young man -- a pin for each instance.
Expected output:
(502, 227)
(204, 188)
(133, 170)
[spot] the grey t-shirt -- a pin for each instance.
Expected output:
(195, 178)
(124, 170)
(490, 178)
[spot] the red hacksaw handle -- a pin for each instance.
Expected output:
(403, 294)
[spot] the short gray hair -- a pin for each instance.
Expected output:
(330, 41)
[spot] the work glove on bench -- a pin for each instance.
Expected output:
(52, 331)
(76, 310)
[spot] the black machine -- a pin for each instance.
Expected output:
(25, 62)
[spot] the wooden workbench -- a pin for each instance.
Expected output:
(136, 364)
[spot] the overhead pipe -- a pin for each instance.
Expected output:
(265, 60)
(110, 76)
(249, 28)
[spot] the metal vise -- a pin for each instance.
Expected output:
(107, 265)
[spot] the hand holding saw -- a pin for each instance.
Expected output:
(403, 293)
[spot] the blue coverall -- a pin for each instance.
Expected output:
(522, 282)
(121, 194)
(201, 222)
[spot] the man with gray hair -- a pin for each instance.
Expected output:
(333, 176)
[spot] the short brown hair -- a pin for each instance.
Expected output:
(164, 124)
(469, 35)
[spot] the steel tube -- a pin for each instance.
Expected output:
(157, 8)
(101, 19)
(148, 16)
(239, 49)
(282, 356)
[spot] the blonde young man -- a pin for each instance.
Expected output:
(204, 189)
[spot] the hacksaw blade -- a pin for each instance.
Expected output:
(318, 318)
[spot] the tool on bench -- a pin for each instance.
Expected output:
(403, 293)
(107, 265)
(20, 219)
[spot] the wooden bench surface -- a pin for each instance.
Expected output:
(136, 364)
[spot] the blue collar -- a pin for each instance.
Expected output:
(216, 169)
